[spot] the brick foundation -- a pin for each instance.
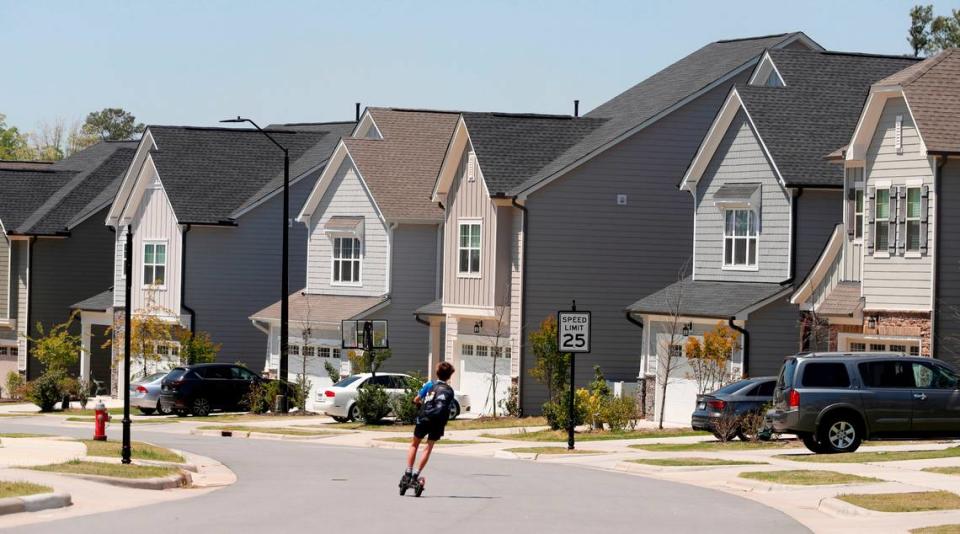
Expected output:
(893, 324)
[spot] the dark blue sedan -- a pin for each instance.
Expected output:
(733, 401)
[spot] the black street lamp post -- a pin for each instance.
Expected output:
(128, 274)
(284, 270)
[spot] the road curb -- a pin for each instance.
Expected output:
(244, 434)
(34, 503)
(631, 467)
(745, 484)
(178, 480)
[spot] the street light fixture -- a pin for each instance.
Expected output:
(284, 274)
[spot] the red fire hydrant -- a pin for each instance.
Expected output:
(100, 420)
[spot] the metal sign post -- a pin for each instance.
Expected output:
(573, 336)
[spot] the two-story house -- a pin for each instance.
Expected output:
(765, 201)
(372, 246)
(542, 210)
(54, 249)
(205, 209)
(883, 282)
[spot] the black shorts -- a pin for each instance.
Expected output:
(432, 430)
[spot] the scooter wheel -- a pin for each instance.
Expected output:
(403, 490)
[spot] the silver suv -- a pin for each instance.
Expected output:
(833, 401)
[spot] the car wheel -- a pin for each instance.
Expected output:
(161, 410)
(353, 413)
(201, 407)
(811, 443)
(146, 411)
(840, 433)
(454, 410)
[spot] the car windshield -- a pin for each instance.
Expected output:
(347, 381)
(730, 389)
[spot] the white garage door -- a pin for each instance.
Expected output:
(476, 380)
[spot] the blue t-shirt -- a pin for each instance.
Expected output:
(426, 388)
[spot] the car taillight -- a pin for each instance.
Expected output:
(718, 405)
(329, 393)
(141, 389)
(793, 399)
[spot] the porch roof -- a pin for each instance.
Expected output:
(99, 302)
(319, 309)
(697, 298)
(434, 308)
(844, 300)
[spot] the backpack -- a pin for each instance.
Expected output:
(436, 405)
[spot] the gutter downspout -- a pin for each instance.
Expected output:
(32, 240)
(523, 294)
(746, 346)
(183, 279)
(643, 388)
(937, 179)
(793, 236)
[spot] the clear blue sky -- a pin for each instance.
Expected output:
(194, 62)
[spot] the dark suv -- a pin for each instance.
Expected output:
(834, 401)
(200, 389)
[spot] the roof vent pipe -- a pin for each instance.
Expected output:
(576, 108)
(356, 112)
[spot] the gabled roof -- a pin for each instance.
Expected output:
(400, 168)
(812, 115)
(50, 201)
(699, 298)
(321, 309)
(650, 99)
(932, 88)
(211, 175)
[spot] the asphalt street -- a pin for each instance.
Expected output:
(308, 487)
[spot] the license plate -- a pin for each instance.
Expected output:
(701, 406)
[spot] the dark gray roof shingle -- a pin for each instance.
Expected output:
(707, 298)
(99, 302)
(22, 192)
(816, 111)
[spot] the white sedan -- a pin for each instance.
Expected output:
(339, 400)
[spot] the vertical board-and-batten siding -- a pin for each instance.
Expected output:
(119, 287)
(582, 245)
(740, 159)
(414, 273)
(947, 333)
(233, 272)
(469, 202)
(21, 268)
(155, 221)
(898, 282)
(346, 196)
(4, 277)
(66, 271)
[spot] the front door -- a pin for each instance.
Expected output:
(936, 400)
(100, 359)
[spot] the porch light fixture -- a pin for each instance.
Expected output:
(477, 326)
(687, 328)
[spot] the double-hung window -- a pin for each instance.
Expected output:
(469, 249)
(154, 264)
(346, 260)
(858, 214)
(913, 220)
(882, 220)
(740, 238)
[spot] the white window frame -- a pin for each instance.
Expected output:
(335, 352)
(309, 351)
(323, 352)
(728, 264)
(358, 259)
(881, 251)
(915, 252)
(154, 265)
(859, 197)
(845, 342)
(467, 349)
(461, 223)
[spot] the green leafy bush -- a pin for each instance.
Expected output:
(46, 391)
(619, 413)
(511, 404)
(556, 413)
(301, 392)
(15, 385)
(261, 396)
(403, 406)
(373, 403)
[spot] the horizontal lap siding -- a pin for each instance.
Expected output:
(233, 272)
(66, 271)
(897, 282)
(947, 334)
(414, 273)
(818, 212)
(774, 334)
(346, 196)
(20, 273)
(583, 246)
(739, 159)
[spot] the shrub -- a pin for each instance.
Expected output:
(403, 406)
(197, 348)
(620, 413)
(15, 385)
(46, 391)
(69, 387)
(83, 392)
(511, 404)
(556, 411)
(261, 396)
(332, 371)
(373, 403)
(301, 391)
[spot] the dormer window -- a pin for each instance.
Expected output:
(346, 261)
(740, 239)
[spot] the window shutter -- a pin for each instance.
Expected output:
(902, 220)
(871, 219)
(471, 167)
(851, 210)
(924, 213)
(894, 211)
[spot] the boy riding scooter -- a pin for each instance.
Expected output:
(434, 400)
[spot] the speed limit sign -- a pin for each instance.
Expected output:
(573, 331)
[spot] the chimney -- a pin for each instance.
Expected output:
(356, 113)
(576, 108)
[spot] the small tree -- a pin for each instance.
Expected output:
(57, 349)
(709, 361)
(368, 361)
(670, 355)
(197, 348)
(552, 367)
(497, 351)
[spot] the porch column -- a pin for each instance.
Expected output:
(433, 354)
(85, 337)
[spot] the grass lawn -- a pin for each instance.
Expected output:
(920, 501)
(138, 450)
(90, 412)
(21, 435)
(20, 489)
(258, 418)
(78, 467)
(561, 435)
(553, 450)
(441, 442)
(939, 529)
(481, 423)
(860, 457)
(715, 446)
(802, 477)
(953, 470)
(691, 462)
(117, 421)
(285, 431)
